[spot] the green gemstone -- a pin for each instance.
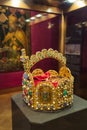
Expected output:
(25, 82)
(45, 96)
(65, 92)
(30, 93)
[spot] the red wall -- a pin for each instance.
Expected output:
(43, 37)
(11, 79)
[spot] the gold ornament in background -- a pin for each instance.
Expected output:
(16, 37)
(12, 19)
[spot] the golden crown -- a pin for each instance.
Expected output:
(47, 91)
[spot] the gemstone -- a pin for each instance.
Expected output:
(27, 100)
(25, 76)
(30, 93)
(30, 101)
(29, 85)
(38, 105)
(25, 91)
(24, 82)
(65, 92)
(22, 59)
(65, 104)
(45, 96)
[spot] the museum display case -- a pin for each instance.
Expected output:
(76, 46)
(71, 16)
(18, 30)
(57, 24)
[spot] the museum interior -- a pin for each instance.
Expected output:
(37, 38)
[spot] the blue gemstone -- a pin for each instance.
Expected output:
(25, 76)
(65, 104)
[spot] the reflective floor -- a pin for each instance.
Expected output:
(5, 111)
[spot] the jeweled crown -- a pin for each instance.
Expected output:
(46, 91)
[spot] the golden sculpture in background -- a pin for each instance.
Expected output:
(15, 38)
(12, 44)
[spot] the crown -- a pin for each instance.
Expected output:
(46, 91)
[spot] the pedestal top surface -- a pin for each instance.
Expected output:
(42, 117)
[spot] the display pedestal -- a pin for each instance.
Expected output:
(23, 118)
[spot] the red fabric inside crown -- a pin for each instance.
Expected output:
(44, 77)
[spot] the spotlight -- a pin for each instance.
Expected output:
(16, 3)
(81, 3)
(38, 15)
(27, 20)
(32, 18)
(71, 1)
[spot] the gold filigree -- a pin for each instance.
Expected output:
(37, 72)
(40, 55)
(47, 91)
(65, 72)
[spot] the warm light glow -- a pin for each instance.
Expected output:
(49, 10)
(32, 18)
(80, 3)
(16, 3)
(27, 20)
(71, 1)
(38, 15)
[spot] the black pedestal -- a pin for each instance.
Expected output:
(74, 118)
